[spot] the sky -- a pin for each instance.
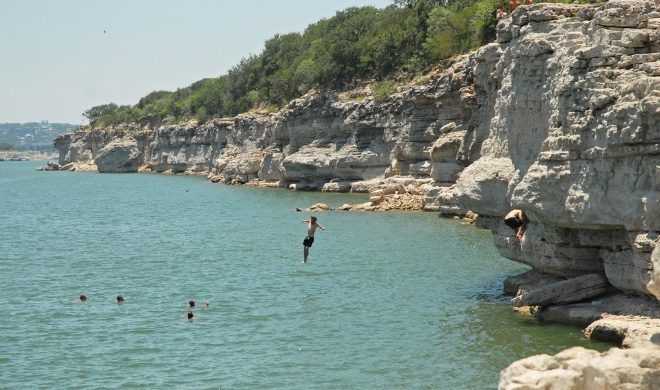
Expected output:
(59, 58)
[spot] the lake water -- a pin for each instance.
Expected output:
(387, 300)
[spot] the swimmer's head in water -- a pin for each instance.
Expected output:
(312, 218)
(190, 316)
(83, 298)
(120, 299)
(191, 303)
(513, 223)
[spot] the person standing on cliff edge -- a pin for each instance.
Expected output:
(517, 221)
(309, 240)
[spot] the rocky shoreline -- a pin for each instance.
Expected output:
(27, 156)
(560, 117)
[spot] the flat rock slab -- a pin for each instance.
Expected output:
(584, 313)
(530, 280)
(570, 290)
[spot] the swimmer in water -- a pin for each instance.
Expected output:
(191, 317)
(191, 304)
(309, 240)
(82, 298)
(120, 299)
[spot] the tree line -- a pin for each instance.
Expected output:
(358, 43)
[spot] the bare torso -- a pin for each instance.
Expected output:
(311, 228)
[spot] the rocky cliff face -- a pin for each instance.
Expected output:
(560, 117)
(573, 139)
(320, 141)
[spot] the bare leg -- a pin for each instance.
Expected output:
(305, 253)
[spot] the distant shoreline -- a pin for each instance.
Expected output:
(27, 156)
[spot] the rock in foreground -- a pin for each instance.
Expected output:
(583, 369)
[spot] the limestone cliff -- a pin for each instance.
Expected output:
(559, 117)
(573, 139)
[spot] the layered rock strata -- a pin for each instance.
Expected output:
(573, 140)
(560, 117)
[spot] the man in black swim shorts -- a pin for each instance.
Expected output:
(309, 240)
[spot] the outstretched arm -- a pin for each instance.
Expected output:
(306, 221)
(322, 228)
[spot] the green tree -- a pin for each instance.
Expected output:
(94, 113)
(454, 30)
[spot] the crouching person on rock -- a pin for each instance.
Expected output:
(517, 221)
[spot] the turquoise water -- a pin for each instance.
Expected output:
(388, 300)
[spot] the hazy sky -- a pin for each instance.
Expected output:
(56, 61)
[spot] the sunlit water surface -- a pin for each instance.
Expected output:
(387, 300)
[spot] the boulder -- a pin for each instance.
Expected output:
(580, 368)
(627, 331)
(446, 146)
(118, 156)
(317, 207)
(482, 186)
(51, 166)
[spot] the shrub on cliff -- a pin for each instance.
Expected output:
(454, 30)
(382, 90)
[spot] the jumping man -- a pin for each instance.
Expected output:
(309, 240)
